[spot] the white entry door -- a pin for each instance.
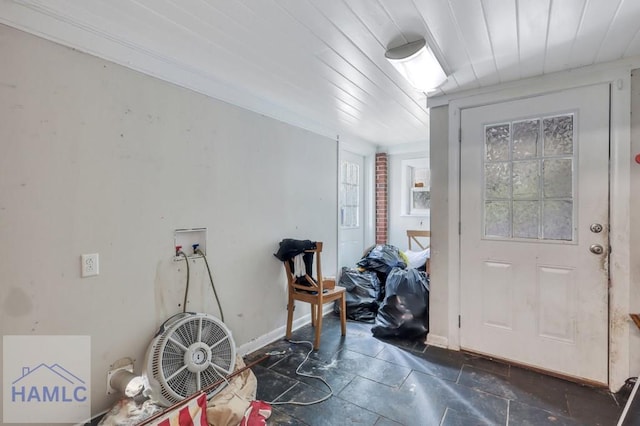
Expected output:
(534, 231)
(351, 209)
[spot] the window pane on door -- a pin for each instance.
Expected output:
(526, 219)
(497, 219)
(497, 142)
(526, 180)
(498, 180)
(558, 135)
(558, 220)
(349, 194)
(528, 185)
(558, 178)
(525, 139)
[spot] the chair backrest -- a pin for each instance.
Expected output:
(313, 284)
(414, 235)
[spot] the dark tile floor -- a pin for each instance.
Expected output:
(398, 382)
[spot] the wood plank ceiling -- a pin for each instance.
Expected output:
(320, 64)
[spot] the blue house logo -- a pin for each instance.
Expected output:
(46, 379)
(48, 383)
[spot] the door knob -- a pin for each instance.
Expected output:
(596, 249)
(596, 228)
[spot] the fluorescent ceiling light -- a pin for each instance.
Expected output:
(416, 63)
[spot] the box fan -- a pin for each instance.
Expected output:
(191, 352)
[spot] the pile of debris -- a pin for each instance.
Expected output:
(383, 290)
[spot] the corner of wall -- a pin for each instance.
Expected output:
(440, 235)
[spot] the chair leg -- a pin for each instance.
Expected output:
(343, 315)
(316, 343)
(313, 315)
(290, 307)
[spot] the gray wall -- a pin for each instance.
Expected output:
(98, 158)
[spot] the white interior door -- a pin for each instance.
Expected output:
(351, 209)
(534, 231)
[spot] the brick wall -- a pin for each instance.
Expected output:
(381, 198)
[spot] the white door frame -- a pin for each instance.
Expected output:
(619, 78)
(368, 151)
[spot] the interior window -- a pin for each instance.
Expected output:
(416, 190)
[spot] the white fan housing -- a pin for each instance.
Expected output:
(190, 352)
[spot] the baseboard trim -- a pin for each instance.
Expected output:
(439, 341)
(272, 336)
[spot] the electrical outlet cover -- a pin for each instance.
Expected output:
(90, 265)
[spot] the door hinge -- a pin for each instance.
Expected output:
(459, 321)
(460, 137)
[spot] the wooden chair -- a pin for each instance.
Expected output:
(319, 292)
(414, 236)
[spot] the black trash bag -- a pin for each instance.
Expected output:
(362, 294)
(382, 277)
(382, 258)
(405, 310)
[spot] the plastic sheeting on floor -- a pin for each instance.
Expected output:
(226, 408)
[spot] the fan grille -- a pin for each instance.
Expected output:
(193, 353)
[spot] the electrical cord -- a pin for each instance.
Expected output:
(198, 251)
(324, 398)
(186, 289)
